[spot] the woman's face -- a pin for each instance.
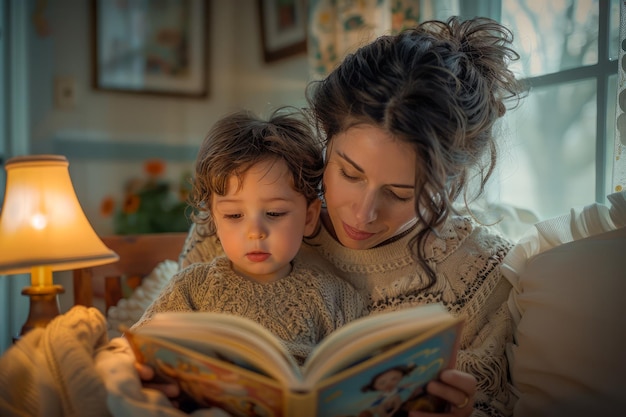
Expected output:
(369, 186)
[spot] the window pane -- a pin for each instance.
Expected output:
(614, 30)
(547, 156)
(552, 35)
(615, 163)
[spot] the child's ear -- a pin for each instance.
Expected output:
(312, 217)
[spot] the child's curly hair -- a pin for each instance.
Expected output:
(240, 140)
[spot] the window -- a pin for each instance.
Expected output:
(556, 150)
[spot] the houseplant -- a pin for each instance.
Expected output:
(151, 204)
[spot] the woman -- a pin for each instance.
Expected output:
(408, 122)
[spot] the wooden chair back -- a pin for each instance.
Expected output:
(139, 255)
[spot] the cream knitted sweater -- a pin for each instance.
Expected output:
(466, 258)
(301, 309)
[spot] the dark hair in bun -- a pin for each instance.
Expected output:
(440, 87)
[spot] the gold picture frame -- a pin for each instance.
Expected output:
(283, 28)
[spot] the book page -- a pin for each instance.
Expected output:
(205, 320)
(365, 337)
(225, 349)
(233, 336)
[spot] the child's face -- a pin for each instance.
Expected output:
(261, 224)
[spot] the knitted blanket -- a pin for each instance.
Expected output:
(70, 369)
(50, 371)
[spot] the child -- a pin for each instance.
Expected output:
(398, 399)
(259, 183)
(388, 384)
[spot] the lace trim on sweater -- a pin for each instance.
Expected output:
(466, 259)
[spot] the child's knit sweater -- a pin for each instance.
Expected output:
(301, 308)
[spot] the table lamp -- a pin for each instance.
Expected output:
(43, 229)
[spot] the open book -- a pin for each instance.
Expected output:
(377, 364)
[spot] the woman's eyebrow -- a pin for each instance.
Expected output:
(362, 171)
(350, 161)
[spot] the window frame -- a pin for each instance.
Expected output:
(601, 71)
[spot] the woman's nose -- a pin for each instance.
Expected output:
(366, 209)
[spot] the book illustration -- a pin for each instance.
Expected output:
(236, 386)
(392, 386)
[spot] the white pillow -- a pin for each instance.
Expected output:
(129, 310)
(569, 356)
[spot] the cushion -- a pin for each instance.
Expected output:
(568, 357)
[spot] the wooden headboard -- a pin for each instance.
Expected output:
(139, 255)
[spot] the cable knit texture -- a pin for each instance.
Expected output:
(466, 258)
(50, 371)
(301, 309)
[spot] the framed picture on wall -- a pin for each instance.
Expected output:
(283, 28)
(150, 47)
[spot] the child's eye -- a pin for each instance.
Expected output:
(276, 213)
(232, 216)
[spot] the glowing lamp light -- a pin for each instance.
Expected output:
(44, 229)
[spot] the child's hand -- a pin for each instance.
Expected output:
(146, 374)
(456, 387)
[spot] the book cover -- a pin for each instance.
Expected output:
(391, 383)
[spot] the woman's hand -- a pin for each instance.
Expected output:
(456, 387)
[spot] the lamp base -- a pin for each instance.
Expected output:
(44, 306)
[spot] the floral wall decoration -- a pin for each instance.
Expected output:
(150, 204)
(337, 28)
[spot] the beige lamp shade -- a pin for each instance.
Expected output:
(42, 222)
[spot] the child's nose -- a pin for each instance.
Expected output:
(257, 230)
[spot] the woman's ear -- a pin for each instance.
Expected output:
(312, 217)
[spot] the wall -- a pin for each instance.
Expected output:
(238, 77)
(106, 136)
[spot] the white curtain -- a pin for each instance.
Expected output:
(14, 41)
(619, 156)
